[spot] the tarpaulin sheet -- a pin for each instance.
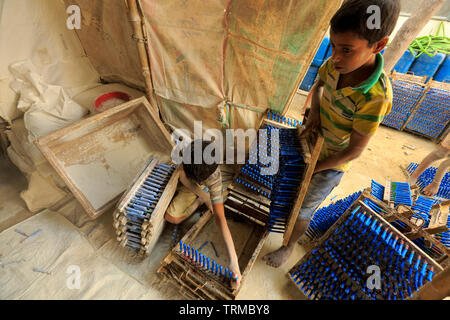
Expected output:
(107, 38)
(237, 53)
(36, 31)
(56, 249)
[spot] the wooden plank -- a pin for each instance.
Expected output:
(444, 133)
(78, 194)
(304, 188)
(409, 77)
(166, 197)
(153, 239)
(442, 86)
(437, 289)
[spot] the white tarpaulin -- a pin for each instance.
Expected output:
(36, 30)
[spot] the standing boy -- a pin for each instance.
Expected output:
(349, 100)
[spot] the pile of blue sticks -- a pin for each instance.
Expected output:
(287, 181)
(406, 96)
(282, 119)
(359, 242)
(325, 217)
(143, 202)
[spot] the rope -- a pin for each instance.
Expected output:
(431, 45)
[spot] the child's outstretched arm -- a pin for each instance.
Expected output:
(221, 222)
(358, 143)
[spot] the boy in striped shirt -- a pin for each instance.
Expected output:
(349, 101)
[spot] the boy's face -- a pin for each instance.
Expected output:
(350, 52)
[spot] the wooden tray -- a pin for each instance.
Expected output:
(155, 225)
(197, 283)
(380, 219)
(311, 146)
(98, 157)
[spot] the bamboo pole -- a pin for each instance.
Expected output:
(409, 31)
(141, 40)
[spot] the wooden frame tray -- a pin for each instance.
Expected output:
(311, 146)
(380, 219)
(98, 157)
(196, 282)
(152, 228)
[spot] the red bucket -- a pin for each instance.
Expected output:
(99, 103)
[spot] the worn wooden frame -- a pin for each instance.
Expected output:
(198, 283)
(311, 146)
(152, 228)
(421, 81)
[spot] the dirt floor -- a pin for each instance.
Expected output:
(112, 267)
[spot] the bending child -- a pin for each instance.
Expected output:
(191, 195)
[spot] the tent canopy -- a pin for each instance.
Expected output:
(221, 61)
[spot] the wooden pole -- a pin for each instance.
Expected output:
(409, 31)
(141, 40)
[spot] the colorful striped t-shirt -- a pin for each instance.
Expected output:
(214, 184)
(342, 111)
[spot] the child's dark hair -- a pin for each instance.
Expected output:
(353, 16)
(198, 172)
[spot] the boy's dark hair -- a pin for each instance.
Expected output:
(198, 172)
(353, 16)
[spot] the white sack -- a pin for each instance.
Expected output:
(46, 108)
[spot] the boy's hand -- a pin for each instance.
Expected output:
(431, 189)
(236, 272)
(312, 125)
